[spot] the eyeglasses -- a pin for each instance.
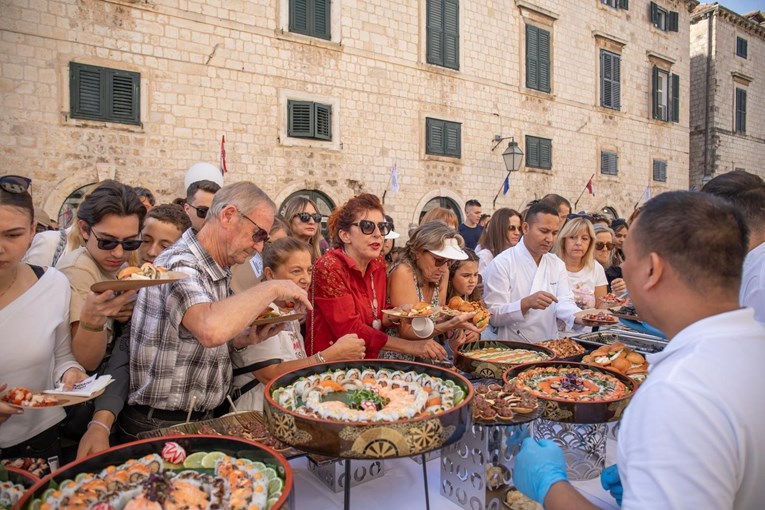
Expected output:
(513, 228)
(306, 217)
(573, 216)
(201, 210)
(15, 184)
(110, 244)
(260, 235)
(600, 245)
(439, 261)
(368, 227)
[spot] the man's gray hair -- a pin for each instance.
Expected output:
(245, 195)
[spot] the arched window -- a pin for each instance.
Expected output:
(68, 210)
(446, 203)
(322, 201)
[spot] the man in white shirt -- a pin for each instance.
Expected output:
(692, 436)
(526, 287)
(747, 193)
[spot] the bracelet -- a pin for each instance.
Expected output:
(319, 358)
(92, 327)
(100, 424)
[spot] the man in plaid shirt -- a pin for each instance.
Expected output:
(183, 332)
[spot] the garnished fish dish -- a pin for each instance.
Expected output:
(571, 384)
(369, 395)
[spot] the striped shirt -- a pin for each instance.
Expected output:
(168, 365)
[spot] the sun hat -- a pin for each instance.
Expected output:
(200, 172)
(392, 235)
(450, 250)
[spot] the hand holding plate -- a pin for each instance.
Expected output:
(7, 411)
(72, 377)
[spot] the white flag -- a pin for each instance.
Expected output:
(647, 193)
(394, 178)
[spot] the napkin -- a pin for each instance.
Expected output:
(86, 388)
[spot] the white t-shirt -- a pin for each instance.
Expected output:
(35, 351)
(287, 345)
(584, 282)
(753, 283)
(693, 436)
(485, 256)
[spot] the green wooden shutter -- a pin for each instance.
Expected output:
(452, 139)
(605, 83)
(659, 170)
(434, 137)
(616, 82)
(299, 16)
(654, 13)
(532, 151)
(435, 30)
(655, 92)
(672, 22)
(532, 57)
(299, 115)
(675, 106)
(545, 153)
(87, 96)
(609, 163)
(610, 80)
(320, 16)
(740, 111)
(624, 4)
(544, 60)
(123, 97)
(451, 44)
(741, 47)
(323, 121)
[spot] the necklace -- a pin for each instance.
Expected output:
(12, 282)
(376, 323)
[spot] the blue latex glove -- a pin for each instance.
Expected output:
(538, 466)
(612, 482)
(642, 327)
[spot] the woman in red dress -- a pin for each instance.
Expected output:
(349, 287)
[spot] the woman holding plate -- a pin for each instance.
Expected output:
(35, 352)
(349, 288)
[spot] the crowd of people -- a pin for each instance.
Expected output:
(188, 349)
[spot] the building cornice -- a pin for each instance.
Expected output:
(732, 17)
(597, 34)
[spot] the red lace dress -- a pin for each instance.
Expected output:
(342, 298)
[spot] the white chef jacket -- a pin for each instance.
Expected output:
(513, 275)
(752, 292)
(693, 436)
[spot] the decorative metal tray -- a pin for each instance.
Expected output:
(644, 344)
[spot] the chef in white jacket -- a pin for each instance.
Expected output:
(526, 287)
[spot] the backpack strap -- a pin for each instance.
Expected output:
(256, 366)
(60, 248)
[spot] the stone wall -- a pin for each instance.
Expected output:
(213, 68)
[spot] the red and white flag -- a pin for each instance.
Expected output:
(223, 168)
(590, 187)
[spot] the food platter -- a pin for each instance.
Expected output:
(142, 461)
(565, 348)
(604, 395)
(497, 404)
(494, 364)
(14, 483)
(61, 400)
(123, 285)
(409, 312)
(287, 317)
(597, 317)
(427, 408)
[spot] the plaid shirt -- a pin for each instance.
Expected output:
(168, 365)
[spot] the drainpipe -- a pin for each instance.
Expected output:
(707, 169)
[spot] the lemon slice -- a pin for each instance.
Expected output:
(211, 458)
(270, 474)
(275, 487)
(194, 461)
(271, 502)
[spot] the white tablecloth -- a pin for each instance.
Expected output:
(401, 488)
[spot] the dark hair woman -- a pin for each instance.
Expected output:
(503, 232)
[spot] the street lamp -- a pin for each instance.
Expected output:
(512, 156)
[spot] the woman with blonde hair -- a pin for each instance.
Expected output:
(575, 246)
(304, 221)
(441, 214)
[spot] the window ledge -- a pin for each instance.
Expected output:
(652, 55)
(741, 78)
(597, 34)
(524, 4)
(541, 94)
(72, 122)
(443, 159)
(537, 170)
(308, 40)
(310, 143)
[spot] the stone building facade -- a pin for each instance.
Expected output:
(210, 68)
(727, 92)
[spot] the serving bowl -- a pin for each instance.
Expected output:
(118, 455)
(488, 368)
(571, 411)
(367, 439)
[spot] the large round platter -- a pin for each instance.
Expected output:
(238, 448)
(367, 439)
(581, 411)
(494, 368)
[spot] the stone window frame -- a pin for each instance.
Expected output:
(335, 27)
(541, 19)
(285, 140)
(615, 45)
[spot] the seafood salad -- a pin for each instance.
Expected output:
(573, 384)
(369, 395)
(149, 483)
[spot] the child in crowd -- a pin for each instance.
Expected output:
(465, 282)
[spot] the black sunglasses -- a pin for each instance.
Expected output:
(513, 228)
(368, 227)
(201, 211)
(600, 245)
(573, 216)
(306, 217)
(260, 235)
(15, 184)
(110, 244)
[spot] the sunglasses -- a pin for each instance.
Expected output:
(14, 184)
(201, 211)
(439, 261)
(110, 244)
(368, 227)
(583, 216)
(513, 228)
(260, 235)
(600, 245)
(306, 217)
